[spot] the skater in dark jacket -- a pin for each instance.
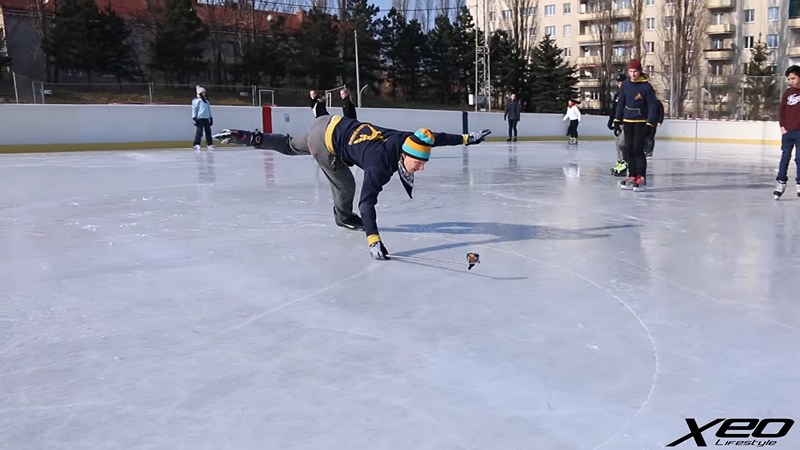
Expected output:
(348, 108)
(789, 120)
(650, 142)
(620, 169)
(512, 114)
(636, 113)
(337, 142)
(317, 104)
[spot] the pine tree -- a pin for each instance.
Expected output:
(389, 30)
(113, 54)
(464, 48)
(71, 44)
(179, 42)
(315, 60)
(553, 81)
(761, 91)
(411, 53)
(266, 58)
(361, 17)
(444, 59)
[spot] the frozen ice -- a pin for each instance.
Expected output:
(159, 299)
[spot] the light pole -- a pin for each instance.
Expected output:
(358, 77)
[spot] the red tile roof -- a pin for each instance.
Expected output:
(211, 15)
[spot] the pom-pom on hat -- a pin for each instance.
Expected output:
(418, 145)
(635, 64)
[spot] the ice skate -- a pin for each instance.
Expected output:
(620, 169)
(627, 183)
(639, 185)
(352, 222)
(779, 189)
(210, 147)
(197, 149)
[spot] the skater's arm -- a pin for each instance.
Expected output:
(577, 113)
(652, 109)
(194, 108)
(620, 105)
(782, 111)
(374, 179)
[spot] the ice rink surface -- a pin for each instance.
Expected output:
(164, 300)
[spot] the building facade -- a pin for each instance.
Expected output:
(731, 29)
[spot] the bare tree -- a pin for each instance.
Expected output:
(424, 13)
(683, 35)
(524, 24)
(604, 30)
(402, 7)
(637, 11)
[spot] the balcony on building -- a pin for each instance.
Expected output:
(793, 51)
(718, 54)
(589, 60)
(721, 4)
(587, 82)
(721, 29)
(793, 23)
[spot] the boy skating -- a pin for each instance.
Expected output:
(789, 120)
(338, 142)
(636, 113)
(620, 169)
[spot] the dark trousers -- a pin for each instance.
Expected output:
(512, 127)
(203, 125)
(572, 131)
(789, 140)
(635, 135)
(343, 184)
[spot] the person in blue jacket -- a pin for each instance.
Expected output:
(636, 114)
(202, 118)
(337, 143)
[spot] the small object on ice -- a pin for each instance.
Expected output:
(472, 259)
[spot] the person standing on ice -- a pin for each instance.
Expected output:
(621, 168)
(789, 120)
(338, 142)
(636, 112)
(574, 116)
(202, 118)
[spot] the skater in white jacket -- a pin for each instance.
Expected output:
(574, 116)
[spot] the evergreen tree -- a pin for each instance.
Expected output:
(411, 54)
(761, 90)
(553, 80)
(71, 44)
(464, 46)
(113, 54)
(266, 58)
(508, 67)
(389, 30)
(444, 59)
(179, 42)
(315, 59)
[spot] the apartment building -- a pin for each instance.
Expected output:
(734, 26)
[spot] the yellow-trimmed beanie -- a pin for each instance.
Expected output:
(418, 145)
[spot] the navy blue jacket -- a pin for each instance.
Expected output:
(377, 151)
(637, 102)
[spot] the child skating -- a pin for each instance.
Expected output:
(574, 116)
(789, 120)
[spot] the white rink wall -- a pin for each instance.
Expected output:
(93, 124)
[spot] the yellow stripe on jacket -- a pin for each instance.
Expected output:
(329, 133)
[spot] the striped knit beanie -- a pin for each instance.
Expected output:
(418, 145)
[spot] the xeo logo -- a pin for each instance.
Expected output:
(738, 432)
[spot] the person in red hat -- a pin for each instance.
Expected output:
(636, 113)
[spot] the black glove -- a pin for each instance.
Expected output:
(617, 129)
(378, 251)
(211, 121)
(239, 137)
(476, 137)
(194, 120)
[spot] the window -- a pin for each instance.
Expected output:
(772, 41)
(567, 51)
(717, 69)
(621, 51)
(669, 22)
(650, 47)
(549, 10)
(716, 44)
(773, 14)
(625, 26)
(749, 15)
(748, 42)
(621, 4)
(567, 8)
(529, 11)
(650, 23)
(506, 14)
(718, 18)
(550, 31)
(651, 2)
(650, 69)
(567, 30)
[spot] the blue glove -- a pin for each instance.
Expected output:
(476, 137)
(378, 251)
(194, 120)
(211, 121)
